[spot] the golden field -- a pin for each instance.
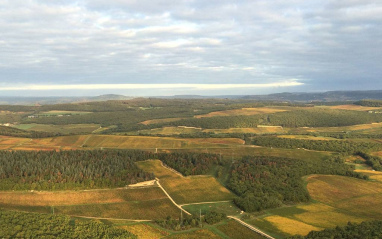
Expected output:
(191, 189)
(245, 111)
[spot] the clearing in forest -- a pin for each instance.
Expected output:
(191, 189)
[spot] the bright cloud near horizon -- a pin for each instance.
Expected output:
(163, 47)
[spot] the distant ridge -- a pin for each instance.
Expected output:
(329, 96)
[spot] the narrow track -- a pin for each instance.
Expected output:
(168, 195)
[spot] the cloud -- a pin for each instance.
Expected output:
(40, 87)
(330, 44)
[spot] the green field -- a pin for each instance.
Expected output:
(228, 208)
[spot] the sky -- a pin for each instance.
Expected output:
(194, 47)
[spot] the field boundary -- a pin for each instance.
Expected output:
(251, 227)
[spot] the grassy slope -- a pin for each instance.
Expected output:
(337, 200)
(141, 203)
(191, 189)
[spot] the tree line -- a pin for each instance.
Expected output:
(364, 230)
(373, 161)
(34, 225)
(191, 221)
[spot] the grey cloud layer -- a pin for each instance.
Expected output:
(325, 44)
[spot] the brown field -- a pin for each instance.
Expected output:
(244, 111)
(159, 121)
(136, 210)
(379, 153)
(113, 141)
(191, 189)
(141, 203)
(145, 231)
(352, 107)
(51, 198)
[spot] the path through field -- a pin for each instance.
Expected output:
(251, 227)
(168, 195)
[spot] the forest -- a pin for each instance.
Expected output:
(268, 182)
(34, 225)
(364, 230)
(344, 146)
(369, 103)
(191, 221)
(87, 169)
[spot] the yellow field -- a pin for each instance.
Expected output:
(114, 141)
(352, 107)
(144, 231)
(332, 189)
(141, 203)
(159, 121)
(62, 112)
(51, 198)
(191, 189)
(190, 130)
(290, 226)
(64, 129)
(321, 215)
(170, 131)
(344, 128)
(258, 130)
(373, 175)
(244, 111)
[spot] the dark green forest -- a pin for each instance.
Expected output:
(344, 146)
(85, 169)
(370, 103)
(364, 230)
(34, 225)
(292, 119)
(268, 182)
